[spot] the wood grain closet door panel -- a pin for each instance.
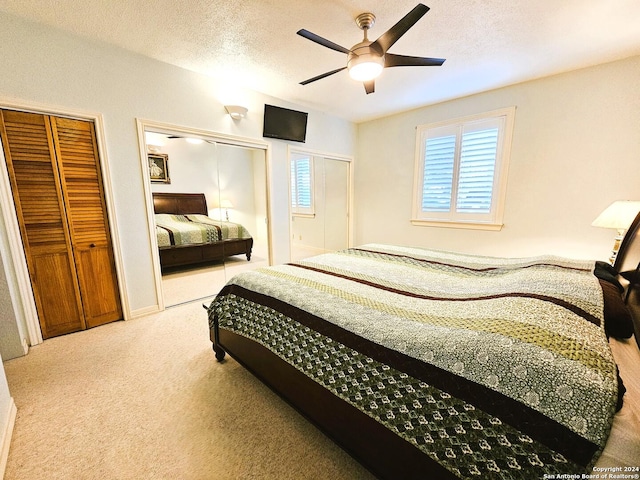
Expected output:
(55, 282)
(87, 216)
(36, 190)
(98, 285)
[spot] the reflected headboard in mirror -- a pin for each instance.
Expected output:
(180, 203)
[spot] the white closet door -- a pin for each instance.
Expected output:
(336, 186)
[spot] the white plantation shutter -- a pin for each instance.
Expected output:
(438, 174)
(461, 169)
(301, 185)
(477, 167)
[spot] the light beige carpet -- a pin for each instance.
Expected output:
(146, 399)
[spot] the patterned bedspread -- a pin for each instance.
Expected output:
(195, 229)
(495, 368)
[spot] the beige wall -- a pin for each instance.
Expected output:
(10, 338)
(576, 149)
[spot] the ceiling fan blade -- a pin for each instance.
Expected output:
(391, 60)
(392, 35)
(319, 77)
(369, 86)
(322, 41)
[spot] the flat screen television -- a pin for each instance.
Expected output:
(284, 124)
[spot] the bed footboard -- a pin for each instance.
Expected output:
(180, 255)
(384, 453)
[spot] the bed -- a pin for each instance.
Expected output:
(428, 364)
(186, 235)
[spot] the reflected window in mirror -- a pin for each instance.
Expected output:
(302, 198)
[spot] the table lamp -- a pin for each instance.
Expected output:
(226, 204)
(618, 216)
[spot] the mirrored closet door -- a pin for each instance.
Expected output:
(210, 212)
(320, 204)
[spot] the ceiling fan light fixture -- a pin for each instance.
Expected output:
(365, 67)
(367, 59)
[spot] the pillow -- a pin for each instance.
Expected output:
(605, 271)
(617, 319)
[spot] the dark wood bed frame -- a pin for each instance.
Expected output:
(179, 255)
(378, 449)
(627, 264)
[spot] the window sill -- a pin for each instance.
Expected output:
(304, 215)
(466, 225)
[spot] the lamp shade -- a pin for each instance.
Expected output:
(618, 215)
(226, 203)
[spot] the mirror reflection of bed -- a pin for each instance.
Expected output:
(232, 181)
(190, 234)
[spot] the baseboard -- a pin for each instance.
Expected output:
(7, 433)
(142, 312)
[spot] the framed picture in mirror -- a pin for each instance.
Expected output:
(159, 167)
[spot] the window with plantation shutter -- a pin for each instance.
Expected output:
(438, 174)
(302, 185)
(461, 168)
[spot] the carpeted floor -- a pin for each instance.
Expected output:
(145, 399)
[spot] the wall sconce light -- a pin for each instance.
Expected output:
(236, 111)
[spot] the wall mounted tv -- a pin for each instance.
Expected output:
(284, 124)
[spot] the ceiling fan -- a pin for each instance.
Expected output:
(367, 59)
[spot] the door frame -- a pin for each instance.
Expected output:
(208, 135)
(291, 150)
(12, 252)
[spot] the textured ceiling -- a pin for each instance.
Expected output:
(253, 43)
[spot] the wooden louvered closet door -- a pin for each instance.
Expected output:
(55, 179)
(86, 214)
